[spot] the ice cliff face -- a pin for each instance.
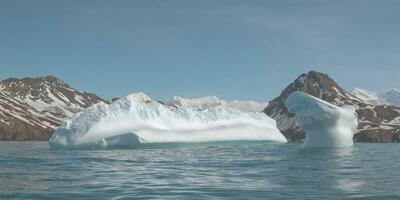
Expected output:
(326, 125)
(137, 119)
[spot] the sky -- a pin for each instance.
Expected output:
(247, 50)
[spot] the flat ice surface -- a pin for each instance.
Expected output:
(137, 119)
(326, 125)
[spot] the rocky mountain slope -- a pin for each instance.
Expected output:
(377, 123)
(32, 108)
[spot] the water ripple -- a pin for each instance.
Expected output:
(249, 170)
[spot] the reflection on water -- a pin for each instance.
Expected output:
(206, 170)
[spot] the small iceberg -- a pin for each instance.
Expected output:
(137, 119)
(326, 125)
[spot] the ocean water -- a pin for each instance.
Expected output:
(230, 170)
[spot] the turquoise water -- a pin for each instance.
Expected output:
(233, 170)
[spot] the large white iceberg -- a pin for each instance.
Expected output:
(137, 119)
(326, 125)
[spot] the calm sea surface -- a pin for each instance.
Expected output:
(231, 170)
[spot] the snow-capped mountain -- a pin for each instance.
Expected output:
(209, 101)
(32, 108)
(367, 96)
(376, 123)
(390, 97)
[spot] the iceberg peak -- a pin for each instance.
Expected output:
(326, 125)
(139, 97)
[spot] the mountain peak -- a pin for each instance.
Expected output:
(319, 85)
(51, 79)
(40, 105)
(33, 86)
(48, 92)
(314, 75)
(44, 78)
(393, 91)
(386, 97)
(31, 82)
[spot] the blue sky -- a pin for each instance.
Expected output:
(232, 49)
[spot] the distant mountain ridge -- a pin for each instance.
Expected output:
(390, 97)
(32, 108)
(205, 102)
(377, 123)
